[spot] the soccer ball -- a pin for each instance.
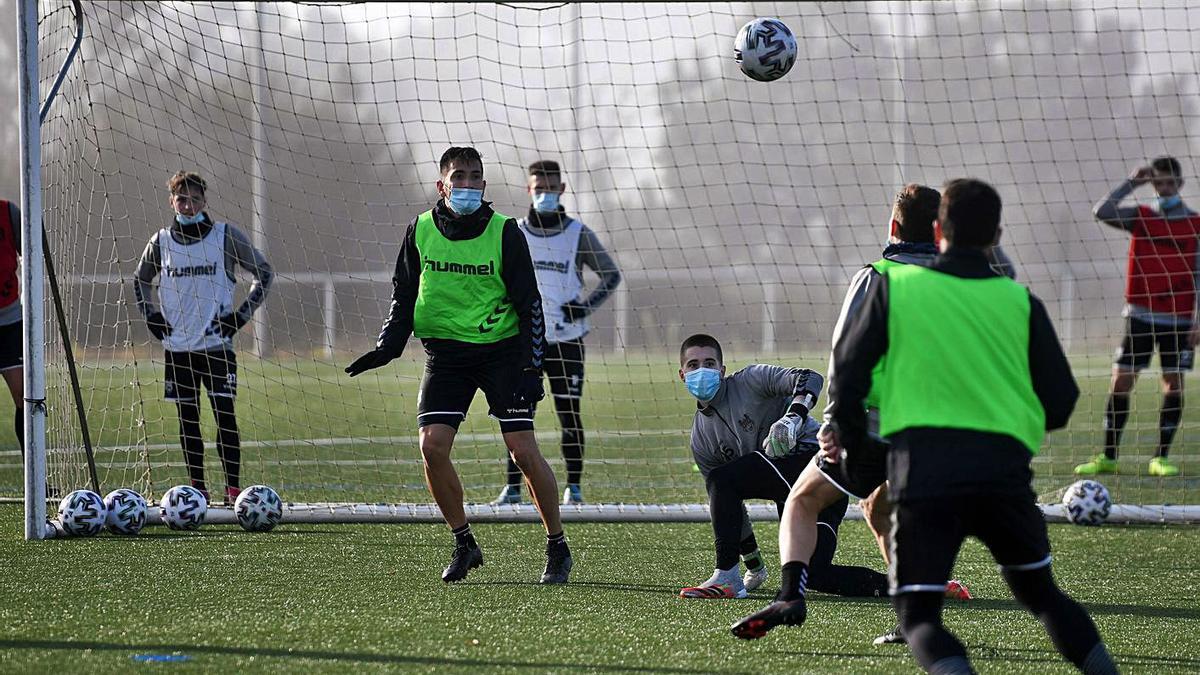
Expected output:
(765, 49)
(183, 508)
(81, 513)
(258, 508)
(1087, 503)
(126, 511)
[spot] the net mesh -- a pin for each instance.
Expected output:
(732, 207)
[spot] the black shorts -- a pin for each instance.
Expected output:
(1141, 338)
(563, 365)
(449, 387)
(186, 371)
(927, 534)
(757, 476)
(12, 343)
(859, 474)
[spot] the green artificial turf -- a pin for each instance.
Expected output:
(330, 598)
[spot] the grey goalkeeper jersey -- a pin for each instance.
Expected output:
(748, 402)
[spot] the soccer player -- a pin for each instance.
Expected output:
(974, 379)
(195, 259)
(464, 283)
(822, 484)
(1160, 297)
(11, 332)
(751, 437)
(561, 247)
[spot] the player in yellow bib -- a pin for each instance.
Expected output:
(464, 284)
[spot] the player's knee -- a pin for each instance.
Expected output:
(525, 455)
(877, 509)
(435, 449)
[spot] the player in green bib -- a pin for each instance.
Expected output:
(974, 378)
(464, 284)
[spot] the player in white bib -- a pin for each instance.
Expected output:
(194, 259)
(561, 247)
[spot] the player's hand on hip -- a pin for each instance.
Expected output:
(575, 311)
(831, 446)
(158, 325)
(229, 324)
(529, 387)
(376, 358)
(783, 435)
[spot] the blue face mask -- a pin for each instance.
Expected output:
(545, 202)
(465, 201)
(189, 220)
(1167, 203)
(703, 383)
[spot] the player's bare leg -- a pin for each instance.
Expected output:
(436, 440)
(877, 511)
(798, 525)
(810, 494)
(15, 379)
(523, 447)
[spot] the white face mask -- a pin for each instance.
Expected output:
(545, 202)
(189, 220)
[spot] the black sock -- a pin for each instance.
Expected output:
(1099, 662)
(1168, 421)
(1116, 413)
(557, 539)
(753, 560)
(514, 475)
(463, 536)
(794, 581)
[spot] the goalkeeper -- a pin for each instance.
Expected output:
(751, 437)
(464, 283)
(196, 258)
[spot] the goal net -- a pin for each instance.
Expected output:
(730, 206)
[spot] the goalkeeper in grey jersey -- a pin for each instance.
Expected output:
(751, 438)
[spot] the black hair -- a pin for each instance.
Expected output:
(915, 210)
(969, 213)
(701, 340)
(460, 155)
(1166, 164)
(547, 168)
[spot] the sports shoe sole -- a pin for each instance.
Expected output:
(713, 593)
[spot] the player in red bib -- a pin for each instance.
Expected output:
(1160, 299)
(11, 332)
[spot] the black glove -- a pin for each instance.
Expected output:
(529, 387)
(574, 311)
(230, 324)
(375, 358)
(159, 328)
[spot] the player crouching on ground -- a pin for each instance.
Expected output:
(751, 437)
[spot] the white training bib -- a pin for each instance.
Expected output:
(558, 280)
(194, 289)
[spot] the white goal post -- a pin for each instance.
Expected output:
(732, 207)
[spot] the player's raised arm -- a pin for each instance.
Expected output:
(1109, 210)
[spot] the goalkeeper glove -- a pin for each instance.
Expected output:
(782, 437)
(230, 324)
(529, 387)
(376, 358)
(574, 311)
(157, 323)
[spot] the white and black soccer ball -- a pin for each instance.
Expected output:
(258, 508)
(765, 49)
(81, 513)
(183, 508)
(126, 511)
(1087, 502)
